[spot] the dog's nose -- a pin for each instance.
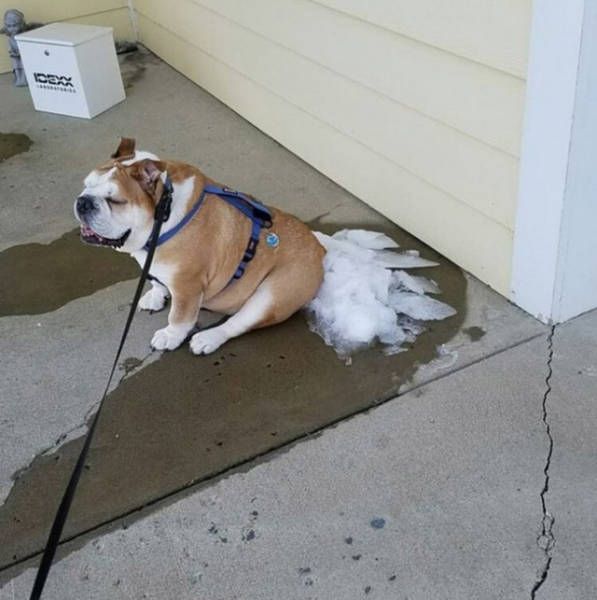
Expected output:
(85, 204)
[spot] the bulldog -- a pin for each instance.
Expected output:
(205, 258)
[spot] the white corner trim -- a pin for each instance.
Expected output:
(576, 281)
(133, 19)
(554, 56)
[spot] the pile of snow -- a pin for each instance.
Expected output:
(367, 297)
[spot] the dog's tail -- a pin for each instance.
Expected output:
(366, 295)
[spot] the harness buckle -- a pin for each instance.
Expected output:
(231, 192)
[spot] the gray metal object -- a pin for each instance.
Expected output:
(14, 23)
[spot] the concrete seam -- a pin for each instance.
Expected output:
(318, 218)
(546, 540)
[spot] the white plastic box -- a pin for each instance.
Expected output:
(71, 69)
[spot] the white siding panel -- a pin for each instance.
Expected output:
(476, 242)
(480, 176)
(478, 100)
(492, 32)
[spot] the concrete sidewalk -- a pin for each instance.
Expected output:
(433, 495)
(437, 493)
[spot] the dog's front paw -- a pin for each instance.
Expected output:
(153, 300)
(167, 339)
(208, 341)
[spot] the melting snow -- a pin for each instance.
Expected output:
(367, 297)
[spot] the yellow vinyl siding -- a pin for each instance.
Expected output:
(491, 32)
(422, 122)
(453, 228)
(119, 19)
(439, 155)
(108, 13)
(471, 97)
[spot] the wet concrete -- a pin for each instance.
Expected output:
(134, 65)
(12, 144)
(183, 419)
(474, 333)
(39, 278)
(453, 476)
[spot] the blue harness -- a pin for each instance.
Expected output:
(260, 217)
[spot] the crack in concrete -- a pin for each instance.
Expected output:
(317, 220)
(546, 540)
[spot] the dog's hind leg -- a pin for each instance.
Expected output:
(252, 314)
(280, 295)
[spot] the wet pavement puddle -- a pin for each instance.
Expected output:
(183, 419)
(12, 144)
(39, 278)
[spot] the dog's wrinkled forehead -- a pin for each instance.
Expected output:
(103, 182)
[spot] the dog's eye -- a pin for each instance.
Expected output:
(111, 200)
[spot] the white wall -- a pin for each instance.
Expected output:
(555, 252)
(576, 283)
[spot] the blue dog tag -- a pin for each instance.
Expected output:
(272, 240)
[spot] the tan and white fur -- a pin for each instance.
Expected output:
(194, 267)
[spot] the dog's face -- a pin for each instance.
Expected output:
(116, 207)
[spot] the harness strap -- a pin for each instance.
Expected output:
(260, 217)
(243, 202)
(164, 237)
(249, 252)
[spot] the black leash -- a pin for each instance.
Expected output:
(162, 212)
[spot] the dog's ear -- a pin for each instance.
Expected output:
(148, 172)
(125, 149)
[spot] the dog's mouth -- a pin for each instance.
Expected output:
(90, 237)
